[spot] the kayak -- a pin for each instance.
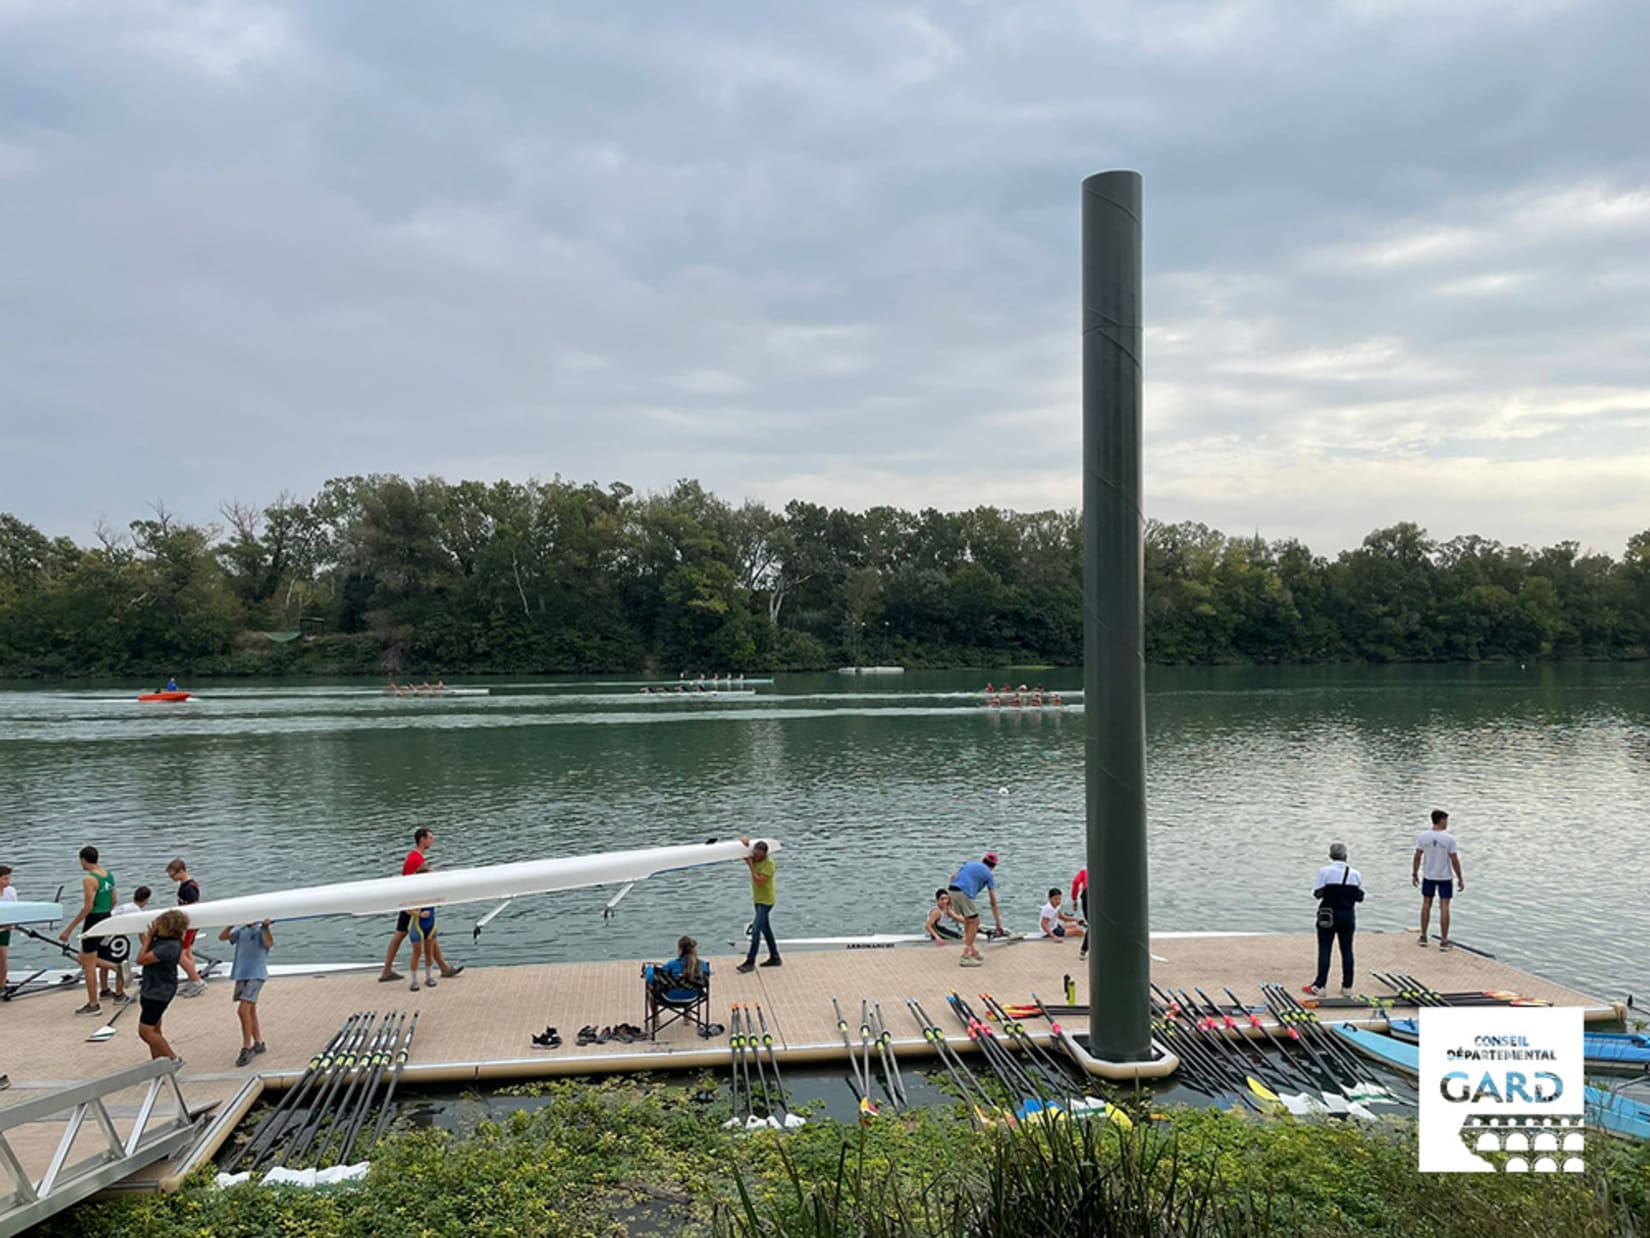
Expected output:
(16, 911)
(1617, 1113)
(1607, 1052)
(163, 696)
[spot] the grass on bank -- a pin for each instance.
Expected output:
(625, 1157)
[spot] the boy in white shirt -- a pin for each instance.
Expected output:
(116, 959)
(1056, 923)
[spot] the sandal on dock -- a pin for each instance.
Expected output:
(587, 1035)
(551, 1039)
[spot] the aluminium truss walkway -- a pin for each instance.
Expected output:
(161, 1126)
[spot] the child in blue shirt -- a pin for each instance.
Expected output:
(252, 943)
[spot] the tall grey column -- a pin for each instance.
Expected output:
(1114, 683)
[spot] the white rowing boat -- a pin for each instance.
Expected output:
(16, 911)
(491, 883)
(421, 693)
(882, 941)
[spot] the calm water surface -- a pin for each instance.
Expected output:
(877, 788)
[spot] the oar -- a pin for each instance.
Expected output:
(734, 1122)
(380, 1075)
(360, 1071)
(387, 1110)
(886, 1041)
(789, 1120)
(865, 1041)
(762, 1077)
(280, 1118)
(107, 1031)
(968, 1083)
(312, 1123)
(867, 1108)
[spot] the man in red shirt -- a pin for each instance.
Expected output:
(416, 862)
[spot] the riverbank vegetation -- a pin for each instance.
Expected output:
(382, 574)
(624, 1157)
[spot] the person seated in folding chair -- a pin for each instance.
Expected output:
(680, 987)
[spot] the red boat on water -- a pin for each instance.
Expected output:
(163, 696)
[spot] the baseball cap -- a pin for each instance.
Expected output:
(990, 858)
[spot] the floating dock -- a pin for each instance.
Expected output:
(475, 1028)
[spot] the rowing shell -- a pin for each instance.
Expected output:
(16, 911)
(882, 941)
(419, 693)
(490, 883)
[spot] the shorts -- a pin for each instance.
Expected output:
(946, 931)
(150, 1010)
(5, 938)
(189, 940)
(92, 945)
(403, 921)
(1438, 889)
(1059, 930)
(422, 926)
(962, 905)
(248, 990)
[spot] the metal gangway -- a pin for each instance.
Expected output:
(161, 1127)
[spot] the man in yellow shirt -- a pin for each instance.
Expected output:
(761, 867)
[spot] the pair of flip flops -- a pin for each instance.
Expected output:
(551, 1039)
(623, 1032)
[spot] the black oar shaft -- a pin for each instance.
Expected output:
(388, 1109)
(773, 1062)
(380, 1071)
(279, 1116)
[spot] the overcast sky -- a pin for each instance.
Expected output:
(1397, 253)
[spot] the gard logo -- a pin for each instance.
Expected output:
(1503, 1090)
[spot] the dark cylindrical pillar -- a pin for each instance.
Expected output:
(1114, 655)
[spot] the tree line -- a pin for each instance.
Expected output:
(384, 574)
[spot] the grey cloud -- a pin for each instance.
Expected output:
(1396, 255)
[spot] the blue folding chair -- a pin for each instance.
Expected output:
(667, 999)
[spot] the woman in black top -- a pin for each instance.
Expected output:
(158, 955)
(1339, 890)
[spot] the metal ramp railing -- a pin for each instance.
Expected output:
(63, 1183)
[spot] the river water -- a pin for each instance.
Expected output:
(877, 787)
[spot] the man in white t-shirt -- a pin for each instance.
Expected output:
(1435, 863)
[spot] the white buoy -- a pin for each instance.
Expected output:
(1002, 790)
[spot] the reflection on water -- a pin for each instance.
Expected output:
(877, 790)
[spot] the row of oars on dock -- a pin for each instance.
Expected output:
(754, 1064)
(343, 1102)
(1221, 1052)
